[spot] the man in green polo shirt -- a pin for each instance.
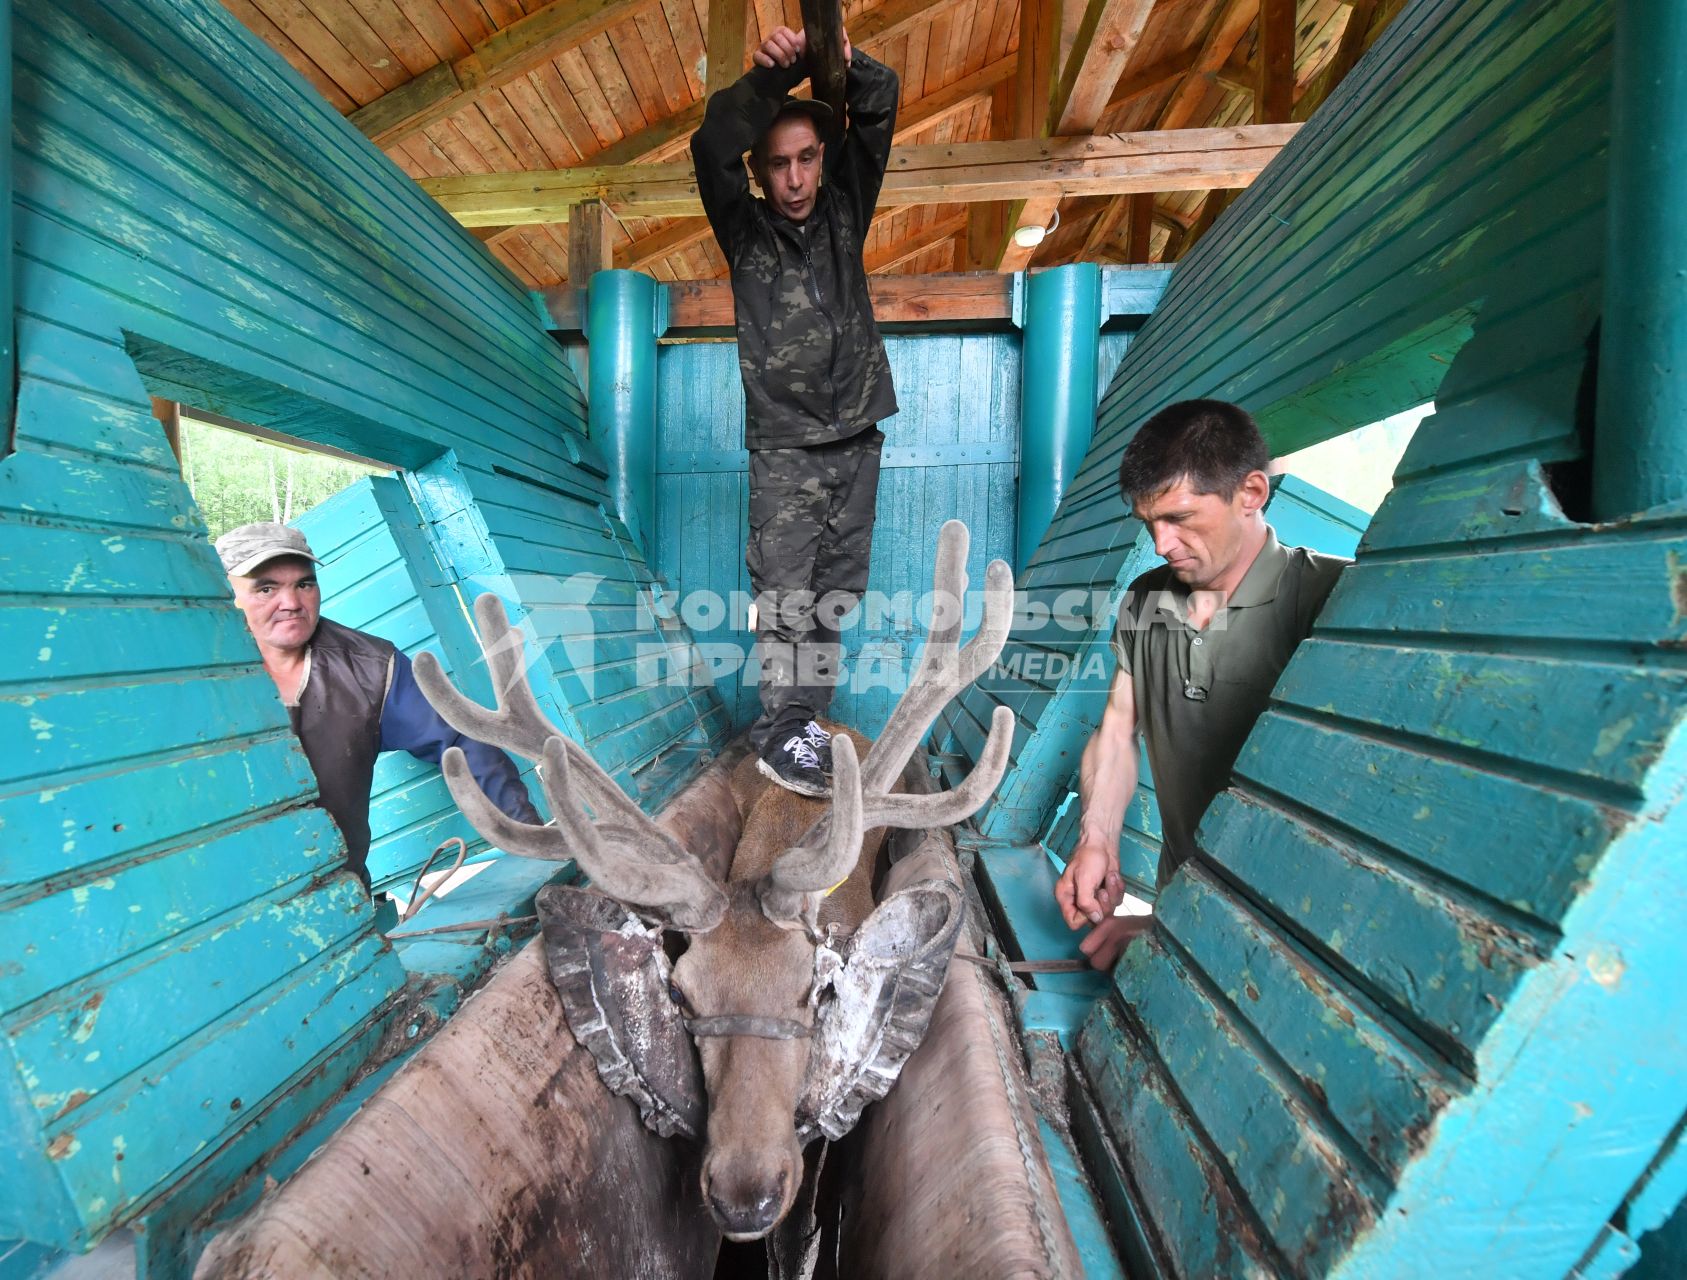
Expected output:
(1200, 643)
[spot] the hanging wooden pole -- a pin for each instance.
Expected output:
(822, 22)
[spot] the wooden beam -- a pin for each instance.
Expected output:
(938, 173)
(590, 235)
(1139, 229)
(505, 54)
(653, 140)
(1356, 35)
(987, 223)
(935, 299)
(1106, 39)
(169, 415)
(727, 38)
(1229, 26)
(1032, 84)
(653, 248)
(1146, 80)
(823, 34)
(891, 256)
(1274, 100)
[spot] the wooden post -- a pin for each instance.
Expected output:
(822, 22)
(1275, 99)
(590, 243)
(169, 415)
(1140, 229)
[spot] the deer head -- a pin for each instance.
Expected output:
(789, 996)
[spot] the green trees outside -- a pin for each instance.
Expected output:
(238, 478)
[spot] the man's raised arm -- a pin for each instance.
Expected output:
(732, 121)
(871, 91)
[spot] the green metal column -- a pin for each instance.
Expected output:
(1057, 392)
(1640, 448)
(621, 330)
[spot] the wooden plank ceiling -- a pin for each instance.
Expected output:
(456, 88)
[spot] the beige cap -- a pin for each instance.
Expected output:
(254, 545)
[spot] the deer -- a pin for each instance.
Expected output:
(767, 945)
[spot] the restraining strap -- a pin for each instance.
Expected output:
(749, 1024)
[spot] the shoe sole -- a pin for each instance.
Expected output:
(795, 788)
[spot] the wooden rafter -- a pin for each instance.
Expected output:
(653, 248)
(505, 54)
(1106, 37)
(728, 37)
(1231, 24)
(1355, 35)
(893, 255)
(876, 27)
(1108, 164)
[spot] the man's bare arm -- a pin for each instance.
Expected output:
(1091, 886)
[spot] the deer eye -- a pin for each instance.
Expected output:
(678, 997)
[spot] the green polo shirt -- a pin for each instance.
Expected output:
(1198, 693)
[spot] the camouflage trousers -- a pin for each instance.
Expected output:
(811, 535)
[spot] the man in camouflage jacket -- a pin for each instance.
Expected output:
(816, 379)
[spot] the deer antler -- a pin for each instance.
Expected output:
(863, 800)
(620, 847)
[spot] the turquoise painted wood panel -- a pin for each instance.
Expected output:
(374, 577)
(1425, 948)
(191, 220)
(952, 451)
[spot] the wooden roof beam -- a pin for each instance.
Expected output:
(938, 173)
(1107, 36)
(889, 257)
(728, 38)
(1106, 39)
(878, 26)
(1229, 26)
(507, 53)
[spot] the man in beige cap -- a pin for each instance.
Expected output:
(350, 695)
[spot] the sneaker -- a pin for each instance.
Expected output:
(821, 741)
(796, 767)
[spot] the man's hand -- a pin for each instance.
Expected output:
(1104, 943)
(783, 47)
(1090, 887)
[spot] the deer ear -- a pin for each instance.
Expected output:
(881, 1002)
(612, 976)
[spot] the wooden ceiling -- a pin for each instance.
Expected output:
(457, 88)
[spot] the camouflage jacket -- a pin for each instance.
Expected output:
(812, 360)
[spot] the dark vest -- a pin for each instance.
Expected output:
(338, 720)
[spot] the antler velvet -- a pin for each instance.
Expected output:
(863, 799)
(619, 846)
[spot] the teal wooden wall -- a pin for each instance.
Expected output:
(1415, 1010)
(185, 970)
(952, 452)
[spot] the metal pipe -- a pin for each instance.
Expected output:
(1057, 393)
(1640, 446)
(621, 390)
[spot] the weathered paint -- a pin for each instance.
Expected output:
(1640, 459)
(1416, 1010)
(193, 221)
(1058, 392)
(951, 452)
(621, 328)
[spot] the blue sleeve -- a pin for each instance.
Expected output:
(409, 723)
